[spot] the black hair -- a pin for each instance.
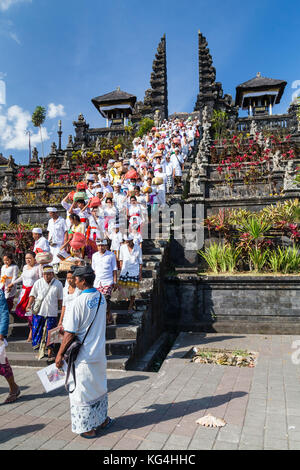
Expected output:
(9, 256)
(32, 253)
(75, 217)
(81, 201)
(108, 199)
(89, 279)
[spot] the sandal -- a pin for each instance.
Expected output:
(106, 426)
(12, 397)
(89, 437)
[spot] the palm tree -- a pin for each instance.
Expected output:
(38, 118)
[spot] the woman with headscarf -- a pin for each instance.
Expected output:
(131, 264)
(31, 273)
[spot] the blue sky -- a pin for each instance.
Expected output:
(66, 52)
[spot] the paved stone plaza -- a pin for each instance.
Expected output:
(159, 410)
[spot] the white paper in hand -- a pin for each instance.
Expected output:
(52, 378)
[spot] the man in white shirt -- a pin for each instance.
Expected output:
(161, 188)
(49, 291)
(169, 169)
(86, 319)
(106, 188)
(177, 160)
(41, 244)
(57, 229)
(104, 264)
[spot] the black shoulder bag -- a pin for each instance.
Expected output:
(72, 352)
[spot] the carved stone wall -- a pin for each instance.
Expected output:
(210, 91)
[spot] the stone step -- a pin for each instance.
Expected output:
(239, 327)
(29, 360)
(120, 347)
(18, 343)
(153, 258)
(18, 330)
(120, 331)
(140, 304)
(25, 359)
(117, 362)
(121, 317)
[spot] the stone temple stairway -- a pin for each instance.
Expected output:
(130, 336)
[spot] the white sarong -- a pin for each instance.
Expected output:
(89, 401)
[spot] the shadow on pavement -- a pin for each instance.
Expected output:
(160, 413)
(113, 384)
(10, 433)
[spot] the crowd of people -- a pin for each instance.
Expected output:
(99, 243)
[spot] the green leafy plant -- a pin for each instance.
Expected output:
(256, 227)
(220, 258)
(219, 119)
(38, 117)
(285, 260)
(145, 126)
(257, 258)
(211, 256)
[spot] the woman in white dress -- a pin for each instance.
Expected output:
(131, 264)
(95, 230)
(9, 273)
(31, 273)
(70, 293)
(134, 213)
(110, 214)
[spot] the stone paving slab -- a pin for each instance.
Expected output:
(157, 411)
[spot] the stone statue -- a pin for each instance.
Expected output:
(34, 158)
(42, 174)
(260, 139)
(194, 179)
(70, 142)
(11, 163)
(253, 128)
(276, 161)
(53, 148)
(289, 178)
(202, 168)
(157, 118)
(6, 190)
(97, 146)
(66, 162)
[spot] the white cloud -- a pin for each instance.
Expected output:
(7, 29)
(55, 111)
(6, 4)
(13, 124)
(15, 38)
